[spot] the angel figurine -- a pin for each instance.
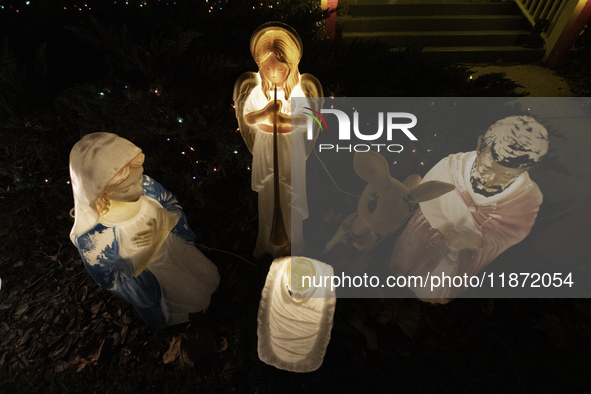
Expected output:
(132, 234)
(274, 129)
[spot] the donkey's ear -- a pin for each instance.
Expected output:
(430, 190)
(412, 181)
(371, 166)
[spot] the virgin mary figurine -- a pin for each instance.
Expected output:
(133, 235)
(274, 129)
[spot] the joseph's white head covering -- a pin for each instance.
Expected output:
(517, 141)
(94, 162)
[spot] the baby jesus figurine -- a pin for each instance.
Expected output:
(133, 235)
(275, 133)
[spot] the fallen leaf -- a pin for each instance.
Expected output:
(4, 327)
(24, 338)
(406, 314)
(20, 310)
(116, 339)
(24, 360)
(173, 352)
(180, 352)
(55, 353)
(94, 309)
(124, 333)
(124, 355)
(62, 366)
(125, 319)
(186, 359)
(370, 336)
(91, 358)
(223, 345)
(84, 294)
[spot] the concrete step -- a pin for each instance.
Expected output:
(444, 38)
(434, 22)
(411, 9)
(460, 31)
(493, 54)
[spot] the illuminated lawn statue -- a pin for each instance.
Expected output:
(275, 134)
(384, 205)
(295, 314)
(493, 207)
(132, 234)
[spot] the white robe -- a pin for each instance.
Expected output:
(292, 174)
(503, 219)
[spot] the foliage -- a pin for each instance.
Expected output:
(578, 66)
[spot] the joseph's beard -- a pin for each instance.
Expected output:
(486, 191)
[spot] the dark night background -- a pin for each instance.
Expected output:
(161, 74)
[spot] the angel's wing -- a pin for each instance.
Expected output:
(242, 89)
(313, 91)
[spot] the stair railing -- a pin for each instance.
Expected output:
(548, 11)
(559, 22)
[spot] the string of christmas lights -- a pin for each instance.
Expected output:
(75, 5)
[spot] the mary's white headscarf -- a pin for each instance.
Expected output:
(94, 162)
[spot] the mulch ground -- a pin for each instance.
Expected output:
(57, 325)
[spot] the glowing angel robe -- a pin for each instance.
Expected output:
(503, 220)
(292, 173)
(293, 150)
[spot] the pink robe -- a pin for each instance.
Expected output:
(503, 220)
